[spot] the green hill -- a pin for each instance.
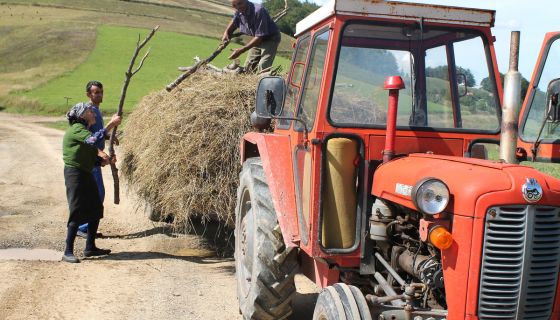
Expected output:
(49, 48)
(111, 56)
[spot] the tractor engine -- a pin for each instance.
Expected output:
(408, 268)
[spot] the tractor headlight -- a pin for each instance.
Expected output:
(430, 196)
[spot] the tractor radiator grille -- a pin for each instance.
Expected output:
(520, 262)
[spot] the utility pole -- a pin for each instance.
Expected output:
(67, 99)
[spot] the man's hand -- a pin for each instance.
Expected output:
(105, 160)
(236, 53)
(225, 37)
(116, 120)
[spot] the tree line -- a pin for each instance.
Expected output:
(297, 11)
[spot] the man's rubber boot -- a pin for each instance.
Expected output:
(70, 258)
(96, 252)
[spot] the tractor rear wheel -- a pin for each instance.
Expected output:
(265, 267)
(341, 302)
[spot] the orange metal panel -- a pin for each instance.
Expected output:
(475, 265)
(455, 262)
(318, 271)
(466, 179)
(518, 175)
(556, 310)
(276, 155)
(406, 145)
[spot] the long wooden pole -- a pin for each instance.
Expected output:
(128, 75)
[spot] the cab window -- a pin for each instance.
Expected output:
(313, 80)
(542, 119)
(442, 88)
(294, 81)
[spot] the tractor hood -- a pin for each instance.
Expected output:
(469, 180)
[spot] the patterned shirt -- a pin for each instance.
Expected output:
(100, 144)
(255, 22)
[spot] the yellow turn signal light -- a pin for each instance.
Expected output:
(441, 238)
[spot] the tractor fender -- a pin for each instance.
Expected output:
(275, 153)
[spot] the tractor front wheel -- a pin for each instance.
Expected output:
(341, 302)
(265, 267)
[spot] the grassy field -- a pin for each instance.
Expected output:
(552, 169)
(111, 57)
(47, 46)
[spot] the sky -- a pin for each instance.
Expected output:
(533, 18)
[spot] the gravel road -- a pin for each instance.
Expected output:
(153, 272)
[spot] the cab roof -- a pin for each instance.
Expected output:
(399, 11)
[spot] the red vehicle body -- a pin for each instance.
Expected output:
(489, 249)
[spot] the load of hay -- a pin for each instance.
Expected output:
(180, 150)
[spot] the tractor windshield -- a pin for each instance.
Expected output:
(447, 73)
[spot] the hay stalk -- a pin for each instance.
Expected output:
(190, 164)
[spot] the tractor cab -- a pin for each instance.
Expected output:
(375, 182)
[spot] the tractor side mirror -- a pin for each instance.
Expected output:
(553, 107)
(270, 97)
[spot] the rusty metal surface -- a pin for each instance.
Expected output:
(511, 104)
(399, 11)
(275, 153)
(514, 51)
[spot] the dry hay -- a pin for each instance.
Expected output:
(181, 149)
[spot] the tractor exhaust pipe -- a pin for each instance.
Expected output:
(511, 105)
(393, 84)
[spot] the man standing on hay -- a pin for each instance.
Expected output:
(253, 20)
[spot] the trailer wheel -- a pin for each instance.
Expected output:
(265, 267)
(341, 302)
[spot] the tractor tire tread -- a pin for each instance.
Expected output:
(275, 265)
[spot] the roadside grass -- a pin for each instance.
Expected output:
(109, 60)
(60, 125)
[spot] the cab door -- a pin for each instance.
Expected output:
(307, 155)
(539, 125)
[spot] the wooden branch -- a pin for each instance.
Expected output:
(141, 63)
(128, 75)
(214, 68)
(282, 13)
(199, 64)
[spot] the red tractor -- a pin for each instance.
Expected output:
(376, 182)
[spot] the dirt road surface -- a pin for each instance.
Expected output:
(153, 272)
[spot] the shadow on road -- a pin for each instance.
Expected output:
(150, 255)
(215, 236)
(166, 229)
